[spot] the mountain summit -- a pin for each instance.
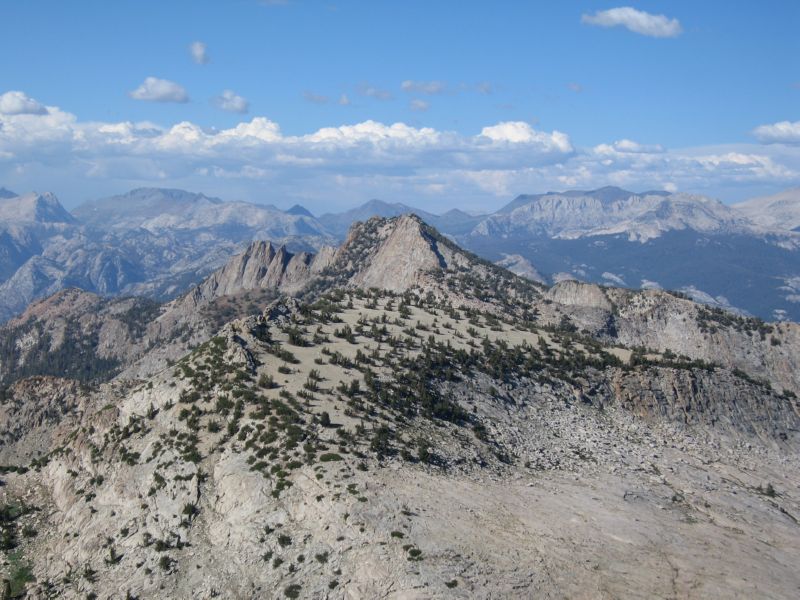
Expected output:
(397, 254)
(33, 208)
(780, 210)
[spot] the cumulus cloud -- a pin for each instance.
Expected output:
(638, 21)
(424, 87)
(17, 103)
(231, 102)
(154, 89)
(628, 147)
(784, 132)
(373, 132)
(364, 159)
(740, 165)
(199, 52)
(519, 132)
(419, 105)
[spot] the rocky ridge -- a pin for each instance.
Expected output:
(416, 423)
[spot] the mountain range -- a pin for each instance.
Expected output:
(150, 242)
(158, 242)
(396, 417)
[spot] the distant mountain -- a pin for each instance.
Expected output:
(6, 193)
(25, 223)
(339, 223)
(453, 222)
(604, 195)
(157, 210)
(300, 211)
(780, 211)
(160, 242)
(153, 242)
(140, 206)
(654, 239)
(612, 211)
(33, 208)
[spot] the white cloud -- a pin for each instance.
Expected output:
(519, 132)
(364, 159)
(784, 132)
(424, 87)
(231, 102)
(575, 87)
(260, 128)
(199, 52)
(419, 105)
(628, 147)
(344, 100)
(17, 103)
(634, 20)
(739, 165)
(374, 133)
(160, 90)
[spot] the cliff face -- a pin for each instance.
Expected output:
(33, 412)
(260, 266)
(665, 322)
(717, 401)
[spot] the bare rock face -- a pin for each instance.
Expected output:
(260, 266)
(663, 321)
(519, 265)
(31, 413)
(576, 293)
(402, 259)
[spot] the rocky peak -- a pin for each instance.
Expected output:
(34, 207)
(260, 266)
(392, 254)
(300, 211)
(395, 254)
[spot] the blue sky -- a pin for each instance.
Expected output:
(438, 104)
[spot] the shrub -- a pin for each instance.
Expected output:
(266, 381)
(329, 457)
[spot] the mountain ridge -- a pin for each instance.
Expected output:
(415, 433)
(779, 210)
